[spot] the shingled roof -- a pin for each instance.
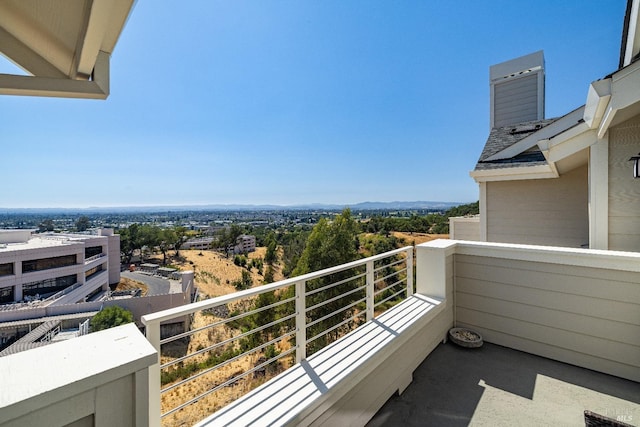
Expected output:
(504, 137)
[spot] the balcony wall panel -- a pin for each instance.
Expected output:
(617, 311)
(561, 278)
(588, 316)
(578, 323)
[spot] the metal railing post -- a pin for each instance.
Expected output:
(301, 321)
(370, 290)
(409, 272)
(153, 336)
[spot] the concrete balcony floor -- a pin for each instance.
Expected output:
(498, 386)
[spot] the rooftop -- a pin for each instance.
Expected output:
(495, 385)
(504, 137)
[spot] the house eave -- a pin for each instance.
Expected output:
(558, 126)
(515, 173)
(64, 47)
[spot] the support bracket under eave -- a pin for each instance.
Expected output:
(96, 88)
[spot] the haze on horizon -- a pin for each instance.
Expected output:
(290, 103)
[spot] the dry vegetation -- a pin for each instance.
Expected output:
(214, 275)
(126, 284)
(418, 238)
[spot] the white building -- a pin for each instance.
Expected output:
(64, 268)
(202, 243)
(245, 244)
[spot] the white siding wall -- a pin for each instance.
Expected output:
(551, 212)
(624, 191)
(100, 379)
(568, 311)
(464, 228)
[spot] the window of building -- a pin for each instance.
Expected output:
(6, 269)
(48, 286)
(47, 263)
(6, 294)
(92, 272)
(92, 251)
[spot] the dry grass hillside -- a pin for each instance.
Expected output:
(214, 273)
(417, 238)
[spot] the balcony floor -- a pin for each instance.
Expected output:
(495, 386)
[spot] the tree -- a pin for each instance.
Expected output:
(330, 244)
(129, 242)
(245, 282)
(181, 237)
(271, 257)
(149, 236)
(82, 223)
(45, 225)
(226, 238)
(167, 239)
(110, 317)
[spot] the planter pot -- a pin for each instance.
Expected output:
(465, 337)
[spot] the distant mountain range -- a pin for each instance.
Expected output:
(238, 207)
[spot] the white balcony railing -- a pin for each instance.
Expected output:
(238, 341)
(92, 258)
(574, 305)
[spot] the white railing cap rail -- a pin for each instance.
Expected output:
(184, 310)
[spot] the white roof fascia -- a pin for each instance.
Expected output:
(625, 91)
(546, 132)
(532, 61)
(597, 101)
(513, 174)
(98, 22)
(98, 88)
(57, 69)
(633, 34)
(567, 143)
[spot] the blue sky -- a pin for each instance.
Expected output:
(287, 102)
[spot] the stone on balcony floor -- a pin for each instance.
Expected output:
(495, 385)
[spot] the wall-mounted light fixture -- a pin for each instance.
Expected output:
(636, 165)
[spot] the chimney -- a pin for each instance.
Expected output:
(517, 90)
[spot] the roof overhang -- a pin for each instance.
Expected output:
(630, 48)
(619, 98)
(563, 123)
(64, 46)
(609, 101)
(515, 173)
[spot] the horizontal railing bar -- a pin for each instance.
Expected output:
(336, 312)
(326, 331)
(393, 285)
(223, 321)
(225, 363)
(171, 313)
(227, 341)
(401, 291)
(335, 298)
(332, 285)
(226, 383)
(395, 273)
(382, 267)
